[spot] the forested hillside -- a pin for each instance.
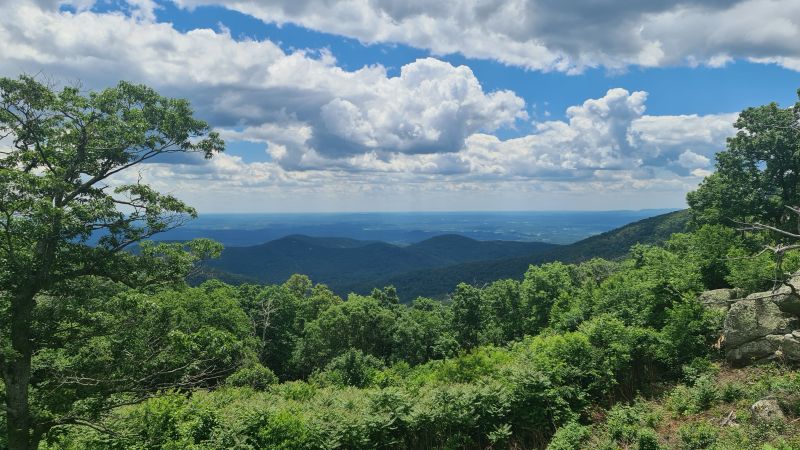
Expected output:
(108, 349)
(613, 244)
(429, 268)
(343, 264)
(340, 262)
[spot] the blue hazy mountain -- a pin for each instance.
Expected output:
(557, 227)
(427, 268)
(342, 261)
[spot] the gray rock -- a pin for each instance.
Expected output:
(785, 297)
(767, 410)
(720, 299)
(752, 319)
(753, 352)
(761, 327)
(785, 347)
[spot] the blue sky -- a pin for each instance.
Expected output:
(455, 105)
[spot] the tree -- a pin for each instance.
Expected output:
(99, 346)
(758, 175)
(272, 310)
(708, 248)
(504, 311)
(542, 287)
(359, 323)
(467, 315)
(60, 151)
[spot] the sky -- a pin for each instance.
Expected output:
(413, 105)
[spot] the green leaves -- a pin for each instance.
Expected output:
(63, 224)
(758, 175)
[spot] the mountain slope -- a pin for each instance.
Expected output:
(341, 262)
(612, 244)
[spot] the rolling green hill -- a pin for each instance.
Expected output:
(437, 282)
(341, 263)
(430, 268)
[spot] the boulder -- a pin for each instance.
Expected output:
(785, 297)
(785, 347)
(767, 410)
(751, 319)
(762, 326)
(720, 299)
(753, 352)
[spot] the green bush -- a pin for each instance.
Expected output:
(685, 400)
(254, 376)
(697, 368)
(569, 437)
(623, 424)
(647, 439)
(353, 368)
(697, 436)
(732, 392)
(705, 393)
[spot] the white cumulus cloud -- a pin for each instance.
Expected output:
(563, 35)
(333, 135)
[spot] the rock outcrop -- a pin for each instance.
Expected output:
(767, 411)
(720, 299)
(760, 327)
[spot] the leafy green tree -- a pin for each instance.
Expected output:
(360, 323)
(689, 332)
(272, 310)
(758, 175)
(311, 306)
(467, 315)
(542, 287)
(569, 311)
(422, 332)
(386, 296)
(352, 368)
(299, 285)
(55, 196)
(708, 248)
(649, 283)
(100, 346)
(505, 316)
(254, 376)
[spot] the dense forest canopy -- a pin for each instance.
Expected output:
(103, 348)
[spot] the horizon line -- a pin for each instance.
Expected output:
(447, 211)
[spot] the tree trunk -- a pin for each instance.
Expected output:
(17, 374)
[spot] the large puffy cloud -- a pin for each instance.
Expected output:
(603, 136)
(335, 134)
(566, 35)
(431, 106)
(605, 140)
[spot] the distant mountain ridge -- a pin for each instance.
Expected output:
(340, 262)
(612, 244)
(430, 268)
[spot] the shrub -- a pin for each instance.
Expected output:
(732, 392)
(623, 423)
(570, 436)
(353, 368)
(704, 393)
(692, 400)
(255, 376)
(697, 436)
(278, 430)
(647, 439)
(697, 368)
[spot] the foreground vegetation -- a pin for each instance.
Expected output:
(103, 348)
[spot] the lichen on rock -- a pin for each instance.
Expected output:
(760, 327)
